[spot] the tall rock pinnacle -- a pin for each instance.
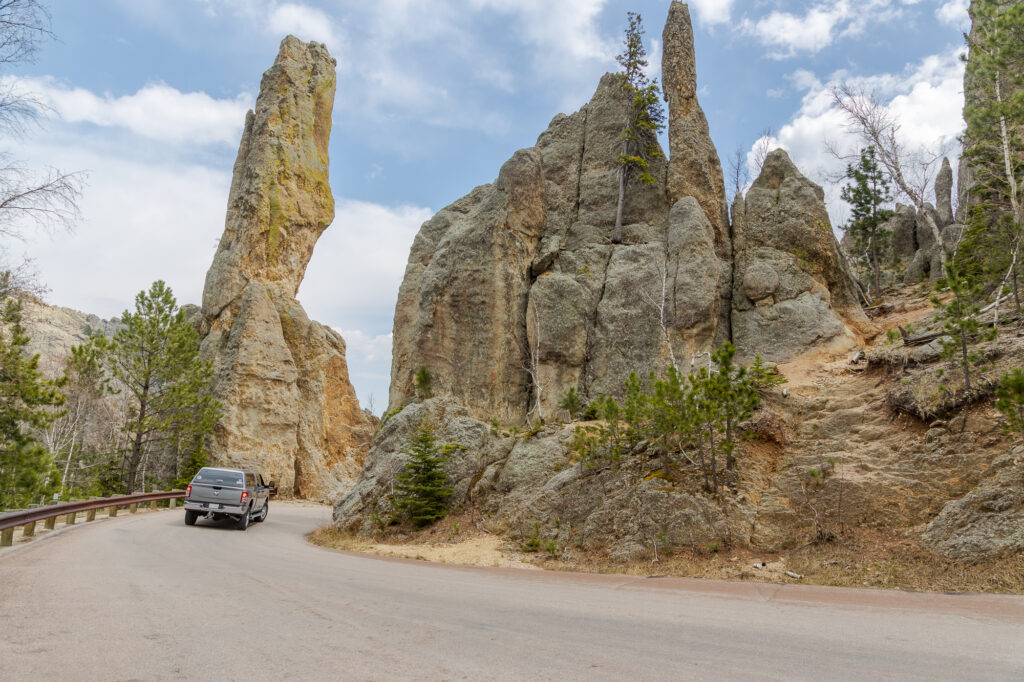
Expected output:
(289, 408)
(694, 167)
(280, 200)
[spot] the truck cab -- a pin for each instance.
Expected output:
(219, 492)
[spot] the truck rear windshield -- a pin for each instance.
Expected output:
(219, 477)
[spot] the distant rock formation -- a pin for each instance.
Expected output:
(53, 330)
(920, 246)
(792, 289)
(289, 408)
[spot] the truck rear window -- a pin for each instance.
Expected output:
(219, 477)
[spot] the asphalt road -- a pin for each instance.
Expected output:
(147, 597)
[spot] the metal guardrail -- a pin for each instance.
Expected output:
(50, 514)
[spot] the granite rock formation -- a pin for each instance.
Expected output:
(53, 330)
(792, 289)
(988, 522)
(289, 408)
(515, 294)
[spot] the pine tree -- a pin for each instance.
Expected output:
(422, 381)
(422, 489)
(959, 318)
(26, 402)
(155, 355)
(736, 391)
(868, 192)
(1010, 399)
(994, 139)
(645, 116)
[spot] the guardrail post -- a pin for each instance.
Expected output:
(133, 507)
(112, 511)
(7, 538)
(153, 505)
(51, 522)
(171, 503)
(29, 529)
(71, 518)
(90, 515)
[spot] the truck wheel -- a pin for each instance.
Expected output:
(263, 514)
(190, 517)
(243, 522)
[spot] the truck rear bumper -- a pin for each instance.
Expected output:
(215, 507)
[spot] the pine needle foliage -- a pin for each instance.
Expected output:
(645, 117)
(1010, 399)
(959, 319)
(684, 418)
(155, 357)
(867, 192)
(422, 488)
(994, 143)
(27, 400)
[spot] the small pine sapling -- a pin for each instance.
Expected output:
(1010, 399)
(422, 488)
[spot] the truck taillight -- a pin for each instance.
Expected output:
(245, 495)
(188, 491)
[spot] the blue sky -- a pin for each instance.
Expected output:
(149, 97)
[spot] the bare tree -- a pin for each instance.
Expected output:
(531, 364)
(910, 171)
(45, 198)
(762, 146)
(659, 301)
(738, 174)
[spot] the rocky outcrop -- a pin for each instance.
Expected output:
(520, 280)
(289, 408)
(792, 289)
(515, 294)
(988, 522)
(533, 488)
(53, 330)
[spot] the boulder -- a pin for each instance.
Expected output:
(986, 523)
(289, 409)
(792, 289)
(903, 226)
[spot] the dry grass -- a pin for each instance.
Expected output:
(861, 558)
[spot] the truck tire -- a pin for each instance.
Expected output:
(263, 514)
(190, 517)
(243, 521)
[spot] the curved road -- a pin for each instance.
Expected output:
(146, 597)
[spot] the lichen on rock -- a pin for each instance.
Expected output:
(289, 408)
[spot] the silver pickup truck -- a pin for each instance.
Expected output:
(218, 493)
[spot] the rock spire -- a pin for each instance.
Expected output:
(289, 408)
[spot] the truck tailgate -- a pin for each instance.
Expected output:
(215, 493)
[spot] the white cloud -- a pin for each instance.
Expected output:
(305, 22)
(352, 283)
(141, 221)
(788, 34)
(713, 11)
(954, 13)
(369, 361)
(568, 27)
(156, 111)
(926, 99)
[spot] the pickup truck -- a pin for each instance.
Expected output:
(216, 493)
